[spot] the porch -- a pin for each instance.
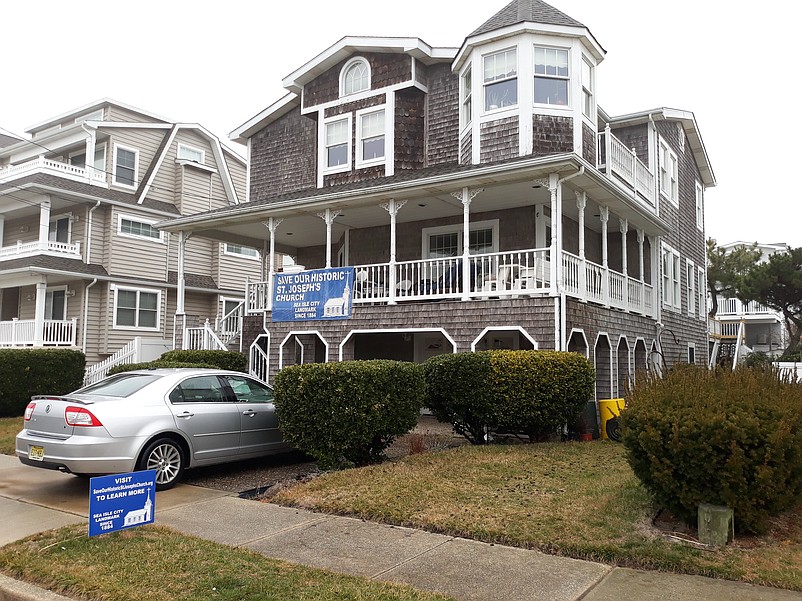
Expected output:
(19, 333)
(40, 247)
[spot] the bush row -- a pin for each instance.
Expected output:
(174, 359)
(28, 372)
(722, 437)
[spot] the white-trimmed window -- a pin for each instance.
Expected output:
(337, 144)
(551, 76)
(587, 89)
(699, 206)
(59, 230)
(501, 79)
(690, 282)
(371, 135)
(701, 293)
(190, 153)
(669, 172)
(78, 159)
(240, 251)
(355, 77)
(672, 295)
(56, 303)
(134, 227)
(126, 161)
(691, 353)
(466, 90)
(447, 241)
(136, 308)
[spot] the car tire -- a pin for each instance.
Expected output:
(166, 457)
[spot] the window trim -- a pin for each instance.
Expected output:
(135, 219)
(227, 251)
(690, 285)
(485, 83)
(466, 97)
(49, 292)
(427, 232)
(670, 188)
(701, 292)
(566, 78)
(158, 294)
(54, 219)
(589, 90)
(326, 170)
(344, 72)
(700, 211)
(115, 181)
(691, 350)
(671, 280)
(360, 161)
(189, 148)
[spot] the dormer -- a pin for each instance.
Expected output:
(527, 85)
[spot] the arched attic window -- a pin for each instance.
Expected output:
(355, 77)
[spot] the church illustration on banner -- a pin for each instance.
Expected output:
(339, 306)
(139, 516)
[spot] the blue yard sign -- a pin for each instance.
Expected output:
(313, 294)
(121, 501)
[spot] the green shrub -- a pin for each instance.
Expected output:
(534, 392)
(220, 359)
(723, 437)
(348, 412)
(27, 372)
(158, 363)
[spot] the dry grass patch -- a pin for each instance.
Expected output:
(151, 563)
(575, 499)
(9, 428)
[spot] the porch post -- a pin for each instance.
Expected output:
(272, 225)
(641, 275)
(556, 223)
(604, 216)
(465, 197)
(44, 223)
(39, 318)
(182, 242)
(581, 203)
(89, 165)
(392, 208)
(329, 216)
(657, 277)
(623, 226)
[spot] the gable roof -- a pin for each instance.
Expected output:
(521, 11)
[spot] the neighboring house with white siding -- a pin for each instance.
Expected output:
(81, 263)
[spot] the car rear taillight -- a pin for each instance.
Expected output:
(78, 416)
(29, 411)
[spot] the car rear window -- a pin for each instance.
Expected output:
(122, 385)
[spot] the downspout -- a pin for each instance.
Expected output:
(86, 313)
(560, 325)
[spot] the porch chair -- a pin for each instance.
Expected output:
(501, 280)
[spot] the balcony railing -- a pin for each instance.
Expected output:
(734, 306)
(27, 249)
(522, 273)
(22, 333)
(57, 168)
(615, 159)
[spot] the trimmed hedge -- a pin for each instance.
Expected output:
(27, 372)
(347, 413)
(154, 365)
(535, 392)
(221, 359)
(724, 437)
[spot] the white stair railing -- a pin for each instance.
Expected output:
(125, 355)
(203, 338)
(258, 362)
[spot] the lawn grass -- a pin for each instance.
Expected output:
(575, 499)
(152, 563)
(9, 428)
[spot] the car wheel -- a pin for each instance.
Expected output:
(167, 458)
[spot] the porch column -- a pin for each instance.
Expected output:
(44, 223)
(329, 216)
(641, 275)
(2, 229)
(465, 197)
(604, 216)
(623, 226)
(392, 208)
(657, 277)
(91, 142)
(183, 237)
(272, 225)
(39, 317)
(581, 204)
(556, 228)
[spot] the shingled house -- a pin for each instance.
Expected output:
(484, 199)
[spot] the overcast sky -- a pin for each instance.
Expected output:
(218, 64)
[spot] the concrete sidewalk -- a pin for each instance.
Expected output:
(464, 569)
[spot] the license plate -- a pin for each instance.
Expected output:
(36, 453)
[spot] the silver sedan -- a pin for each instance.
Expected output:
(164, 419)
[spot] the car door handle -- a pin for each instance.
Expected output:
(249, 412)
(185, 414)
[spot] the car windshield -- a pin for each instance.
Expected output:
(123, 385)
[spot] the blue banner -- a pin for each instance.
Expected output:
(313, 294)
(121, 501)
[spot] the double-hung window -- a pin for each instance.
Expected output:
(337, 144)
(669, 172)
(701, 293)
(587, 89)
(690, 282)
(125, 166)
(501, 79)
(551, 76)
(135, 308)
(467, 97)
(672, 295)
(699, 206)
(370, 125)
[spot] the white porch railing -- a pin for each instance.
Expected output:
(22, 332)
(229, 325)
(57, 168)
(493, 275)
(203, 338)
(616, 159)
(734, 306)
(27, 249)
